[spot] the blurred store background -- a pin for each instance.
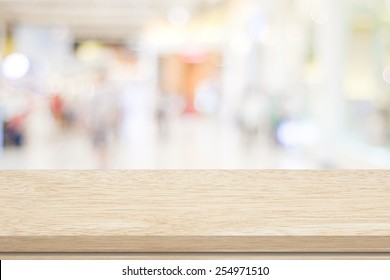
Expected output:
(195, 84)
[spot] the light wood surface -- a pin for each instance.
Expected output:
(194, 256)
(189, 211)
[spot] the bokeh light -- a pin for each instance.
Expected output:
(15, 66)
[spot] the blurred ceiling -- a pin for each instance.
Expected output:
(97, 19)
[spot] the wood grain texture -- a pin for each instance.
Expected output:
(194, 256)
(120, 211)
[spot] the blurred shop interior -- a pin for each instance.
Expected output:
(194, 84)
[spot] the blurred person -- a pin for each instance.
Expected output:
(57, 107)
(14, 131)
(208, 97)
(63, 111)
(104, 117)
(162, 116)
(169, 106)
(15, 125)
(253, 117)
(68, 115)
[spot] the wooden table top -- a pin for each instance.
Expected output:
(194, 211)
